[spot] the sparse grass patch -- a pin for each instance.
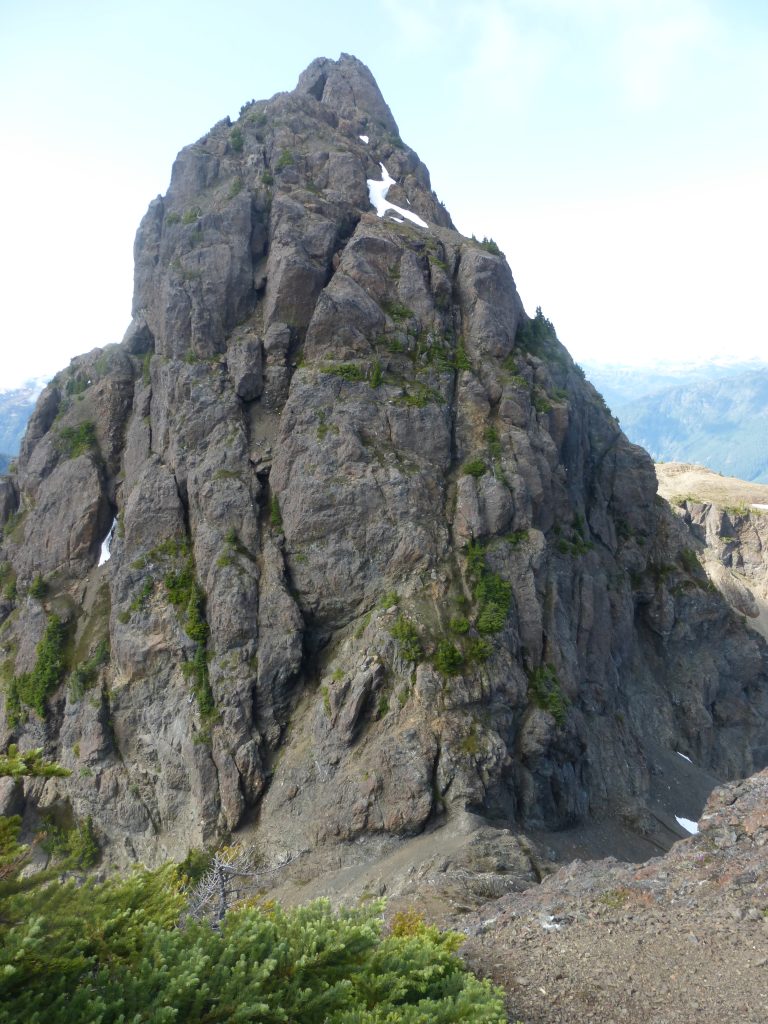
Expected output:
(77, 440)
(397, 310)
(350, 372)
(474, 467)
(275, 515)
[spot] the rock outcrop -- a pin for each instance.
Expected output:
(728, 523)
(378, 552)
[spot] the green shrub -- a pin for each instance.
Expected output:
(475, 467)
(377, 374)
(76, 385)
(448, 659)
(545, 691)
(236, 140)
(477, 648)
(235, 188)
(489, 245)
(105, 953)
(389, 600)
(38, 588)
(84, 676)
(267, 178)
(75, 847)
(285, 160)
(173, 218)
(459, 625)
(493, 441)
(492, 594)
(408, 640)
(491, 618)
(33, 688)
(74, 441)
(191, 215)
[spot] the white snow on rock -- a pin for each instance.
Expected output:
(684, 756)
(363, 138)
(377, 190)
(105, 547)
(688, 825)
(754, 505)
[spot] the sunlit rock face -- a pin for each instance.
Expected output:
(380, 553)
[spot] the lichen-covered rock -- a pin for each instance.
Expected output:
(377, 553)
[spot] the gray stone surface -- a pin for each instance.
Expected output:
(287, 423)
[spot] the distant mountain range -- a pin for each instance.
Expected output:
(714, 415)
(16, 405)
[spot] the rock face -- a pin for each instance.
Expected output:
(728, 523)
(378, 551)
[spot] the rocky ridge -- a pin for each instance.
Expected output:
(380, 556)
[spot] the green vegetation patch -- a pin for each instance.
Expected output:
(236, 140)
(33, 688)
(275, 515)
(286, 159)
(188, 598)
(78, 440)
(419, 395)
(576, 543)
(408, 639)
(448, 659)
(546, 693)
(489, 245)
(76, 847)
(475, 468)
(350, 372)
(397, 310)
(85, 675)
(114, 951)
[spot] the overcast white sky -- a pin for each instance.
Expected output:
(615, 149)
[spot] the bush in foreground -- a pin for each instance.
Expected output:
(114, 952)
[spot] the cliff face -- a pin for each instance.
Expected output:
(378, 550)
(728, 523)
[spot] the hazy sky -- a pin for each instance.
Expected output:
(615, 149)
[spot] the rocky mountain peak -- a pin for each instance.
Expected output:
(348, 88)
(339, 544)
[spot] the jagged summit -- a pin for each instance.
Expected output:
(348, 88)
(379, 556)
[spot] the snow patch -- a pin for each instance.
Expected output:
(755, 505)
(107, 544)
(688, 825)
(377, 190)
(363, 138)
(684, 756)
